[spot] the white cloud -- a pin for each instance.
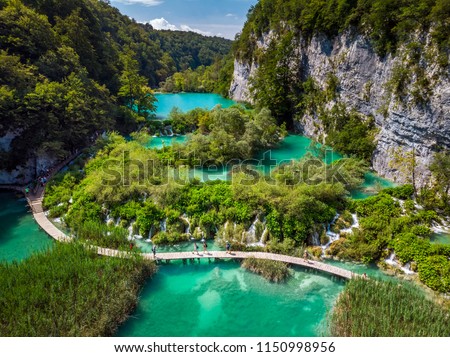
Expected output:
(163, 24)
(188, 28)
(140, 2)
(230, 15)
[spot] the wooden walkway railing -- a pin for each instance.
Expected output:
(326, 268)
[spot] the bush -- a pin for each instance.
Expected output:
(271, 270)
(434, 271)
(404, 192)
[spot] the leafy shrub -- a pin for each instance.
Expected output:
(434, 271)
(271, 270)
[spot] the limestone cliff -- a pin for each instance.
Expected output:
(416, 119)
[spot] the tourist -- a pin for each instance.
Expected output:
(228, 248)
(306, 256)
(205, 246)
(154, 251)
(27, 190)
(131, 246)
(364, 276)
(195, 248)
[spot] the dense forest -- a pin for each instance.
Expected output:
(73, 68)
(387, 22)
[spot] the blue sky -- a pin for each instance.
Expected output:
(210, 17)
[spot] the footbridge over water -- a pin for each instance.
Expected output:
(305, 263)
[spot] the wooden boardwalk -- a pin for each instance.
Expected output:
(326, 268)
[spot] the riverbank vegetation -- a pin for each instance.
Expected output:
(371, 308)
(215, 78)
(69, 291)
(273, 271)
(391, 222)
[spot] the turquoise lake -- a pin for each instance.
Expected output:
(188, 101)
(222, 299)
(19, 234)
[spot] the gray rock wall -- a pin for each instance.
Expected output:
(363, 77)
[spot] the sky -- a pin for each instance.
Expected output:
(222, 18)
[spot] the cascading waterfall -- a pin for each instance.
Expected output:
(130, 232)
(251, 234)
(185, 218)
(150, 235)
(315, 239)
(163, 225)
(392, 262)
(331, 235)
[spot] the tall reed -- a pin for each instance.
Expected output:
(69, 291)
(370, 308)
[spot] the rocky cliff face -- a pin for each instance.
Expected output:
(23, 174)
(405, 123)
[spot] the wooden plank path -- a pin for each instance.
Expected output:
(310, 264)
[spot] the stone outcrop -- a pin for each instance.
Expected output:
(404, 124)
(23, 174)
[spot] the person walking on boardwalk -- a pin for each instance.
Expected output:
(228, 248)
(205, 246)
(306, 256)
(195, 248)
(154, 251)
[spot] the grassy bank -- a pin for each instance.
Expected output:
(69, 291)
(271, 270)
(370, 308)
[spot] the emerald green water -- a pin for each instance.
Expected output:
(188, 101)
(440, 238)
(372, 184)
(222, 299)
(162, 141)
(180, 247)
(19, 234)
(292, 148)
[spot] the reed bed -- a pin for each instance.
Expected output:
(271, 270)
(69, 291)
(370, 308)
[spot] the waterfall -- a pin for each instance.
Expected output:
(185, 218)
(130, 232)
(170, 131)
(109, 220)
(163, 225)
(406, 268)
(391, 260)
(354, 225)
(251, 234)
(315, 239)
(262, 240)
(150, 235)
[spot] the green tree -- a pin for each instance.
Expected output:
(134, 90)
